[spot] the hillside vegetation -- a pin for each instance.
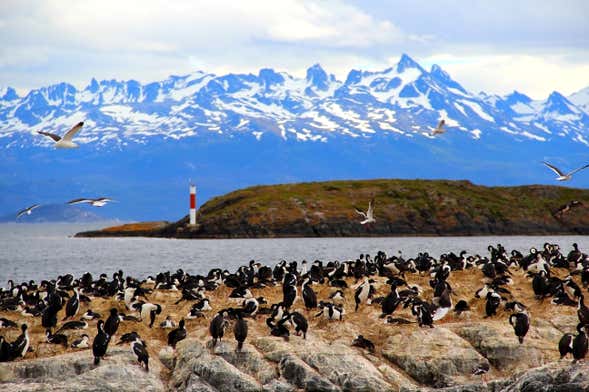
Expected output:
(402, 207)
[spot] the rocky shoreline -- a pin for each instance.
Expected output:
(406, 356)
(269, 364)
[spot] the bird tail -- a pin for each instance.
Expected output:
(239, 346)
(521, 339)
(146, 364)
(96, 360)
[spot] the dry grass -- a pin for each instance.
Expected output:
(139, 226)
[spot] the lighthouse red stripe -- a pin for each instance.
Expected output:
(192, 200)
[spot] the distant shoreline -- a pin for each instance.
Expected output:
(109, 233)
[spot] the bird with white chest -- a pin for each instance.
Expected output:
(66, 140)
(562, 176)
(368, 215)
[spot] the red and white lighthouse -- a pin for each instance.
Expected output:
(192, 204)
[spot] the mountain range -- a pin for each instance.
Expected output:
(142, 143)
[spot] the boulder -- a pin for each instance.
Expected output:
(341, 365)
(434, 357)
(248, 360)
(301, 375)
(76, 372)
(498, 343)
(197, 369)
(166, 356)
(554, 377)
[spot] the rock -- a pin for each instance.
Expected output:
(564, 323)
(553, 377)
(298, 373)
(249, 360)
(435, 357)
(77, 372)
(344, 367)
(394, 377)
(499, 345)
(279, 385)
(166, 356)
(197, 370)
(340, 365)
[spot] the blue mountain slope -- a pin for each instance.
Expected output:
(142, 143)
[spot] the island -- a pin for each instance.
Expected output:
(402, 208)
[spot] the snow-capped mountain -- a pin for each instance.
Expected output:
(141, 143)
(581, 99)
(401, 101)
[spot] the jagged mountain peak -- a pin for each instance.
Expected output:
(400, 101)
(406, 62)
(93, 86)
(317, 77)
(516, 97)
(558, 103)
(581, 99)
(8, 94)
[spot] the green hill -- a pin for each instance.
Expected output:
(402, 207)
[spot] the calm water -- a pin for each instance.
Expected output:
(44, 251)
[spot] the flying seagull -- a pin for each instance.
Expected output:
(368, 215)
(66, 141)
(440, 128)
(562, 176)
(100, 202)
(26, 211)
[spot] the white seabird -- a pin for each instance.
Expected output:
(27, 210)
(66, 141)
(440, 128)
(100, 202)
(562, 176)
(368, 215)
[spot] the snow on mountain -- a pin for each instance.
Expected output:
(403, 101)
(581, 99)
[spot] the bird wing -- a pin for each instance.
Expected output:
(361, 213)
(78, 201)
(139, 349)
(70, 134)
(579, 169)
(22, 212)
(554, 169)
(370, 212)
(53, 136)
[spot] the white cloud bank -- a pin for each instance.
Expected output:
(74, 40)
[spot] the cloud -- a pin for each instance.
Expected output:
(483, 45)
(151, 39)
(536, 75)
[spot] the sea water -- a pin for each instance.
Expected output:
(47, 250)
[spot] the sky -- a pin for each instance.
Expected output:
(534, 47)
